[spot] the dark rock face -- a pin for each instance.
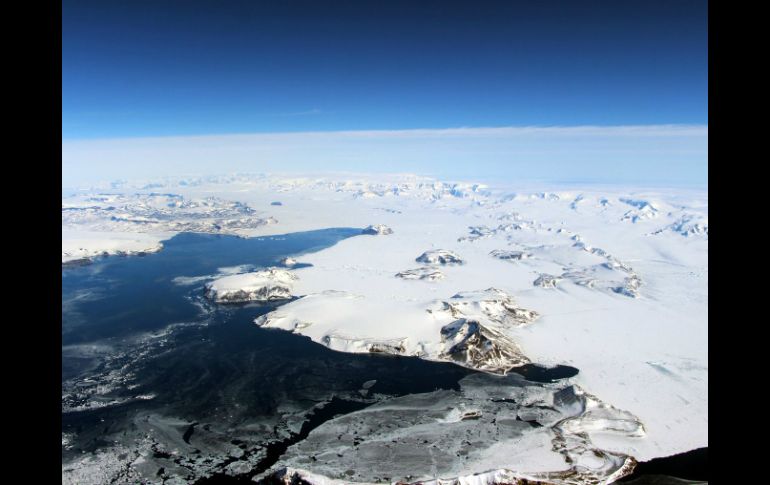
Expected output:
(480, 347)
(265, 293)
(546, 281)
(429, 274)
(509, 255)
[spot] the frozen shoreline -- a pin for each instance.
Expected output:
(640, 344)
(79, 245)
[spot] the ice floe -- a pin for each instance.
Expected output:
(493, 430)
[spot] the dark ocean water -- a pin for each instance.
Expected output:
(126, 324)
(217, 368)
(688, 468)
(136, 293)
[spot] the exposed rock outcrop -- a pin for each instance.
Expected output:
(546, 281)
(267, 285)
(429, 274)
(507, 255)
(377, 230)
(439, 256)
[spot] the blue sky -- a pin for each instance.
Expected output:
(168, 68)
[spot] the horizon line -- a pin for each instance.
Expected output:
(665, 129)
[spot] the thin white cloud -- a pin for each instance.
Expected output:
(494, 132)
(660, 152)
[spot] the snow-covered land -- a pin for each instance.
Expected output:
(378, 230)
(101, 223)
(268, 285)
(81, 246)
(611, 280)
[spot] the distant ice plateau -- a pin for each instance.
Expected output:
(605, 279)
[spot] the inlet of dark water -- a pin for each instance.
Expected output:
(680, 469)
(217, 368)
(538, 373)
